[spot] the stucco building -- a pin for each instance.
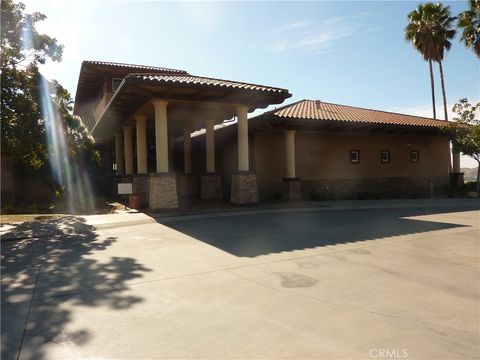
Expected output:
(164, 131)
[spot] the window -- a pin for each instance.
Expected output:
(355, 156)
(116, 83)
(414, 156)
(385, 156)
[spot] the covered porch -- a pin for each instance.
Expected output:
(145, 135)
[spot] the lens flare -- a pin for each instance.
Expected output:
(67, 171)
(26, 35)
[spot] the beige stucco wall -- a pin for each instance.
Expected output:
(226, 156)
(327, 156)
(102, 104)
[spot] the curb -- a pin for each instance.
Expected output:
(164, 219)
(105, 226)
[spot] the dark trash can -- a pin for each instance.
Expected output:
(134, 201)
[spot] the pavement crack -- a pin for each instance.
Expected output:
(42, 259)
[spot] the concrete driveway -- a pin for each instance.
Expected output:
(356, 282)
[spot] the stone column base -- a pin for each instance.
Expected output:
(188, 186)
(211, 187)
(456, 180)
(162, 191)
(292, 189)
(141, 186)
(244, 189)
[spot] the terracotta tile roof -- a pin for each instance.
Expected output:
(319, 110)
(134, 67)
(204, 81)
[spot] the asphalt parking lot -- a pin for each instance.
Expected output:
(351, 283)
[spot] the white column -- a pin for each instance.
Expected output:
(128, 149)
(187, 151)
(119, 153)
(242, 138)
(210, 142)
(290, 153)
(455, 162)
(141, 131)
(161, 135)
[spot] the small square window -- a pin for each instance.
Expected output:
(385, 156)
(414, 156)
(116, 83)
(355, 156)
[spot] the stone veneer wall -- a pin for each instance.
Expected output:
(367, 188)
(162, 191)
(244, 189)
(292, 189)
(211, 187)
(188, 186)
(141, 186)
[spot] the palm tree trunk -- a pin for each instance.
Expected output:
(433, 89)
(443, 90)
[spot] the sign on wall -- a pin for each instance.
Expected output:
(125, 188)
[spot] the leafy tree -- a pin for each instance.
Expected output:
(23, 48)
(469, 21)
(79, 142)
(430, 30)
(22, 130)
(20, 42)
(24, 90)
(466, 131)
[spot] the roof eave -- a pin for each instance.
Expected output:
(279, 97)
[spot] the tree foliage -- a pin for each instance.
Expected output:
(24, 90)
(21, 43)
(466, 131)
(469, 22)
(430, 29)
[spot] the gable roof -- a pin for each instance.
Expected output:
(92, 76)
(110, 64)
(183, 91)
(319, 110)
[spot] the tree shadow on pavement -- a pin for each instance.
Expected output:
(51, 269)
(261, 234)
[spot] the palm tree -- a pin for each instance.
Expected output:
(444, 32)
(430, 30)
(469, 21)
(419, 32)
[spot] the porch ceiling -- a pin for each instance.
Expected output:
(191, 100)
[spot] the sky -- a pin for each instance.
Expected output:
(345, 52)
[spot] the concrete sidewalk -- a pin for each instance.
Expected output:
(279, 284)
